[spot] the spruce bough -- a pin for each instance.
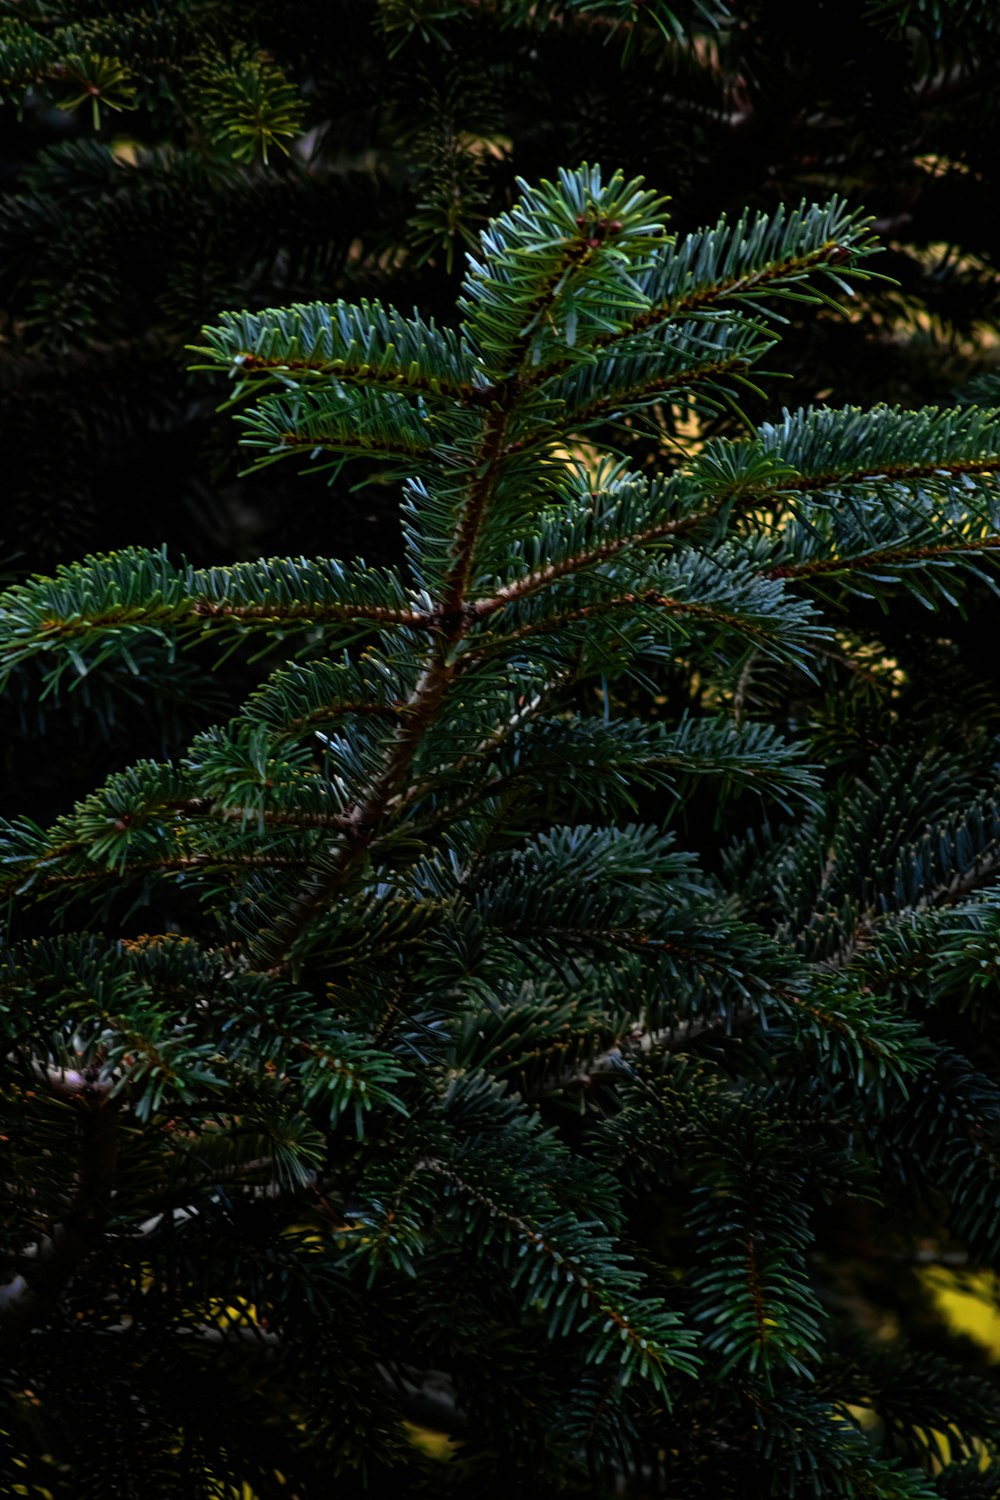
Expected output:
(448, 1089)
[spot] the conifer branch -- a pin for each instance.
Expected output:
(887, 557)
(361, 821)
(420, 710)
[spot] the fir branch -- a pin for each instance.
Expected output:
(743, 262)
(645, 1337)
(367, 345)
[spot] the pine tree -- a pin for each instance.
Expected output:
(391, 133)
(384, 1059)
(160, 163)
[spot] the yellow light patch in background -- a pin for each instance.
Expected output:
(435, 1444)
(970, 1303)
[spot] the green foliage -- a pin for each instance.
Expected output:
(388, 1040)
(243, 98)
(246, 100)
